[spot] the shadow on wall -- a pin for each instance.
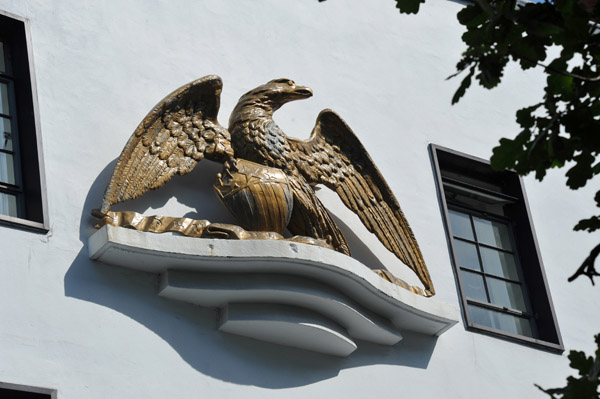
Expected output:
(191, 330)
(360, 251)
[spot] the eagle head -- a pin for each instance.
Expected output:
(276, 93)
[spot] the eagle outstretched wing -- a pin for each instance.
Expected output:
(334, 156)
(179, 131)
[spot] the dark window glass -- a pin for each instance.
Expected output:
(492, 233)
(461, 225)
(466, 254)
(7, 168)
(499, 263)
(501, 321)
(474, 286)
(6, 138)
(8, 204)
(4, 100)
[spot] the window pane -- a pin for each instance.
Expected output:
(7, 168)
(8, 204)
(473, 286)
(4, 109)
(2, 58)
(461, 225)
(492, 233)
(501, 321)
(499, 263)
(467, 255)
(507, 294)
(6, 142)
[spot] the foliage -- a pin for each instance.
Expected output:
(586, 385)
(563, 129)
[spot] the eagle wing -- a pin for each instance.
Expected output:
(334, 156)
(179, 132)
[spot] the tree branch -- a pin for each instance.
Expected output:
(563, 73)
(587, 268)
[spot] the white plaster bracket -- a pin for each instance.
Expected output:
(278, 291)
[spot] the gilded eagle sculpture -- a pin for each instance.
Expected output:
(268, 178)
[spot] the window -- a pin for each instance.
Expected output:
(494, 251)
(13, 391)
(22, 198)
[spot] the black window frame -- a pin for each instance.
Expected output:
(29, 186)
(476, 172)
(26, 392)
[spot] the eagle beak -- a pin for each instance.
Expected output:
(303, 92)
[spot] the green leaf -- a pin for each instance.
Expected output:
(528, 51)
(508, 152)
(560, 63)
(543, 29)
(464, 85)
(525, 116)
(580, 362)
(492, 68)
(579, 174)
(557, 164)
(409, 6)
(475, 37)
(589, 224)
(540, 172)
(472, 16)
(553, 391)
(560, 84)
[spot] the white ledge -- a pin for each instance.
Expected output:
(288, 326)
(330, 285)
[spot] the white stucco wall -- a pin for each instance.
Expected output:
(93, 331)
